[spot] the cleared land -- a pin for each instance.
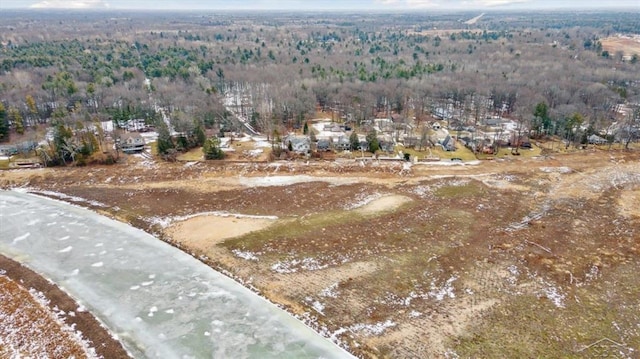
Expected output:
(521, 257)
(628, 46)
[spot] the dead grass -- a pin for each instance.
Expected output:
(475, 248)
(194, 154)
(627, 46)
(30, 329)
(461, 152)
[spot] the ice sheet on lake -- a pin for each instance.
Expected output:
(159, 301)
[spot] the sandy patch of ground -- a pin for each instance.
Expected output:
(204, 232)
(627, 45)
(504, 183)
(590, 183)
(319, 281)
(386, 203)
(628, 203)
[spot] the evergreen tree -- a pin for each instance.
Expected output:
(63, 148)
(541, 119)
(211, 149)
(16, 118)
(165, 143)
(199, 134)
(372, 139)
(305, 129)
(4, 124)
(354, 141)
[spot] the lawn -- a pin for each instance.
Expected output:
(192, 155)
(461, 152)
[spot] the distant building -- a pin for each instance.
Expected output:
(299, 144)
(131, 142)
(448, 144)
(596, 140)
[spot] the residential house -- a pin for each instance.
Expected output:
(299, 144)
(22, 147)
(386, 144)
(448, 144)
(323, 145)
(8, 150)
(493, 121)
(342, 143)
(131, 142)
(442, 113)
(596, 140)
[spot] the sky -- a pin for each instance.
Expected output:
(397, 5)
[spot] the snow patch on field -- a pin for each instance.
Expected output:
(317, 306)
(533, 216)
(331, 291)
(250, 256)
(292, 266)
(563, 170)
(373, 329)
(23, 337)
(362, 200)
(306, 264)
(443, 291)
(554, 294)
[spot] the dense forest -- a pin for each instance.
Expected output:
(548, 69)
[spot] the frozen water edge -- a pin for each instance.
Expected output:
(190, 298)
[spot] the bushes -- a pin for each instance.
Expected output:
(211, 149)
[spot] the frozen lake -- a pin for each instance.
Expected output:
(159, 301)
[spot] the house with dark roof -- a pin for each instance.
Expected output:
(448, 144)
(131, 142)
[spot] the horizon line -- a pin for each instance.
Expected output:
(487, 9)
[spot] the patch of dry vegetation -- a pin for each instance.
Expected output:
(626, 45)
(520, 258)
(30, 329)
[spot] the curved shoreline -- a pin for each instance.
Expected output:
(145, 210)
(206, 261)
(99, 338)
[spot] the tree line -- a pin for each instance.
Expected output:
(282, 68)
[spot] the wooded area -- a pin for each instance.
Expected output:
(546, 70)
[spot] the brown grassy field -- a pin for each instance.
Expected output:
(515, 257)
(628, 46)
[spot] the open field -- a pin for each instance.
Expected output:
(627, 45)
(516, 257)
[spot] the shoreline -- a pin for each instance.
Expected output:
(93, 331)
(42, 284)
(333, 297)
